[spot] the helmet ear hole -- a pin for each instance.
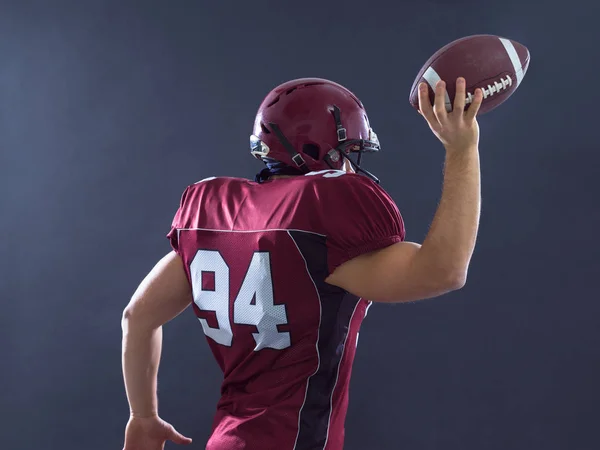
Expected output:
(311, 150)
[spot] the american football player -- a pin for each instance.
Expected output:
(280, 270)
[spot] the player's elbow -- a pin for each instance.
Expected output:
(441, 283)
(455, 281)
(132, 319)
(127, 314)
(414, 289)
(126, 318)
(139, 318)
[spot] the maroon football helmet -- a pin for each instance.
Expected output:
(312, 124)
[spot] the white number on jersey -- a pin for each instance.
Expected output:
(254, 303)
(216, 300)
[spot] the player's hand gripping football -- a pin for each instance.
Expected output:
(457, 130)
(151, 433)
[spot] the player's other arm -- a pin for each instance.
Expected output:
(162, 295)
(407, 271)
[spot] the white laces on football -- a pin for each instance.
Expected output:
(491, 90)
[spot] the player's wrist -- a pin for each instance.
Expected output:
(143, 414)
(461, 149)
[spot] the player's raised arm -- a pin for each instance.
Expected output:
(407, 271)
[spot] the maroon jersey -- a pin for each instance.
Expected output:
(257, 256)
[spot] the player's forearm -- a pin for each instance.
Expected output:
(141, 357)
(450, 242)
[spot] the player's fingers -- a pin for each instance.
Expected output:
(177, 437)
(439, 106)
(475, 105)
(425, 107)
(460, 97)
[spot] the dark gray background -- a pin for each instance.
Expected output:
(109, 109)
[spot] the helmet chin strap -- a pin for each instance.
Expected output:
(343, 141)
(297, 158)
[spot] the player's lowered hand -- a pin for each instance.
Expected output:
(457, 130)
(151, 433)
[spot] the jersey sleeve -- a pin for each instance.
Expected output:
(178, 222)
(360, 218)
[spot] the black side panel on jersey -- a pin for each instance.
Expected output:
(337, 308)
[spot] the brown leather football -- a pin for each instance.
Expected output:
(496, 65)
